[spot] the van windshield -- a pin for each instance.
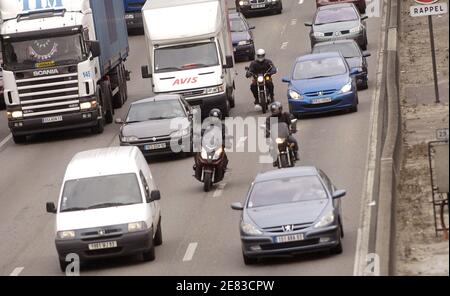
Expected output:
(101, 192)
(186, 57)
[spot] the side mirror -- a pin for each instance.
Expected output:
(155, 195)
(145, 73)
(51, 208)
(286, 80)
(354, 71)
(339, 194)
(229, 62)
(252, 28)
(294, 121)
(247, 68)
(308, 24)
(237, 206)
(364, 17)
(366, 54)
(94, 47)
(119, 121)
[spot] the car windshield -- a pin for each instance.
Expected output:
(285, 191)
(185, 57)
(101, 192)
(159, 110)
(348, 50)
(238, 25)
(44, 52)
(319, 68)
(335, 15)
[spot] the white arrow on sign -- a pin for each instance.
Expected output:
(431, 9)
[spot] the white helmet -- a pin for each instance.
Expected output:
(260, 55)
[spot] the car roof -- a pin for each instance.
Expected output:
(103, 162)
(337, 5)
(286, 173)
(158, 98)
(318, 56)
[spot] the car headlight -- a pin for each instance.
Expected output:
(356, 29)
(295, 95)
(137, 226)
(215, 89)
(128, 139)
(241, 3)
(347, 88)
(88, 105)
(250, 229)
(181, 133)
(15, 114)
(280, 141)
(325, 221)
(318, 34)
(68, 234)
(245, 42)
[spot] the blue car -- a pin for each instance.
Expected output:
(322, 83)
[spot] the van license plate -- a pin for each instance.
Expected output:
(103, 246)
(290, 238)
(52, 119)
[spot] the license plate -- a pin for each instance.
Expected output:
(129, 16)
(102, 246)
(321, 101)
(155, 146)
(52, 119)
(290, 238)
(258, 6)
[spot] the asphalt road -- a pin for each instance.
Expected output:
(31, 175)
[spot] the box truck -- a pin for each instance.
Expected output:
(190, 51)
(63, 64)
(133, 14)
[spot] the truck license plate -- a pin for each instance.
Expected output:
(52, 119)
(103, 246)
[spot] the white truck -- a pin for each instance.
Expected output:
(190, 51)
(63, 64)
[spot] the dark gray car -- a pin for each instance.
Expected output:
(158, 125)
(356, 59)
(337, 22)
(291, 211)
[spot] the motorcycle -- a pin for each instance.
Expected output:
(285, 150)
(264, 97)
(210, 166)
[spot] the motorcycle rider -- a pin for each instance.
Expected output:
(276, 109)
(261, 65)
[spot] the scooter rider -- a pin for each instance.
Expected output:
(276, 109)
(261, 66)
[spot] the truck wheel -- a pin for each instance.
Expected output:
(100, 127)
(119, 99)
(19, 139)
(158, 240)
(125, 82)
(107, 101)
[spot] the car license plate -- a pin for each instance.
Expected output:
(103, 246)
(52, 119)
(256, 6)
(155, 146)
(129, 16)
(321, 101)
(290, 238)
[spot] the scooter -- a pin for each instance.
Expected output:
(210, 166)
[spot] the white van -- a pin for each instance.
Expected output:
(108, 207)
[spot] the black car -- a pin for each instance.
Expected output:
(242, 37)
(159, 125)
(291, 211)
(248, 7)
(352, 53)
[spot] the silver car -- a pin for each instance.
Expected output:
(337, 22)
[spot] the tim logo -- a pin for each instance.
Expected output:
(183, 81)
(30, 5)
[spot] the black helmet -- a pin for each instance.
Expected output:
(215, 113)
(276, 108)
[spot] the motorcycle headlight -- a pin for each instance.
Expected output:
(347, 88)
(68, 234)
(250, 229)
(218, 153)
(325, 221)
(280, 141)
(355, 29)
(295, 95)
(128, 139)
(137, 226)
(318, 34)
(261, 79)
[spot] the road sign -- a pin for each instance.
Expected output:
(442, 134)
(429, 9)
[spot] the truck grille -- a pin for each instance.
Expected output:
(47, 95)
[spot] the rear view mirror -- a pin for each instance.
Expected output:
(308, 24)
(94, 47)
(366, 54)
(51, 208)
(237, 206)
(145, 73)
(286, 80)
(229, 62)
(339, 194)
(155, 195)
(364, 17)
(354, 71)
(252, 28)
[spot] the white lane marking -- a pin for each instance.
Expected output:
(283, 29)
(293, 22)
(301, 2)
(17, 271)
(190, 252)
(284, 45)
(5, 140)
(219, 191)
